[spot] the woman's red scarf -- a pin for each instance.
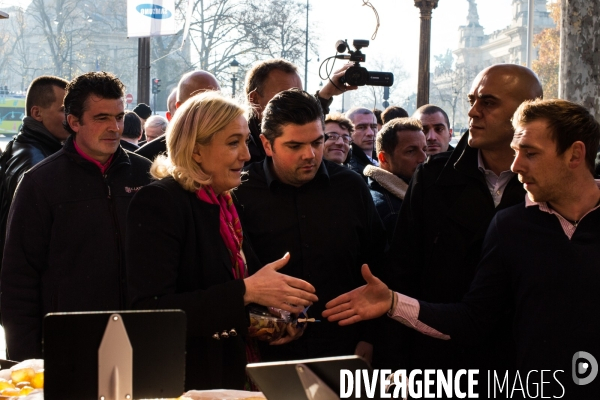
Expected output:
(231, 232)
(230, 228)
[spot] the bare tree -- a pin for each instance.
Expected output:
(22, 59)
(6, 51)
(278, 29)
(246, 30)
(373, 96)
(218, 35)
(62, 26)
(449, 88)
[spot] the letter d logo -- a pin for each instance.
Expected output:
(580, 367)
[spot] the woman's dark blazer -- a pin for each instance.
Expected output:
(176, 259)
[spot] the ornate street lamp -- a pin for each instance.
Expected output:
(233, 68)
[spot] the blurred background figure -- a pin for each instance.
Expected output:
(171, 104)
(155, 127)
(377, 113)
(132, 131)
(143, 111)
(393, 112)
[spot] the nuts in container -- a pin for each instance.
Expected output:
(268, 323)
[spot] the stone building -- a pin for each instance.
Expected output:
(476, 51)
(509, 45)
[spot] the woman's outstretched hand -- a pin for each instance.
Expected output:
(366, 302)
(270, 288)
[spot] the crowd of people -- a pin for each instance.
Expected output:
(485, 253)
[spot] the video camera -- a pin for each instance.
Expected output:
(357, 75)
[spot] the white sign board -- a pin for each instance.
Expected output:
(150, 18)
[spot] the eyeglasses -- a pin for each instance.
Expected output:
(335, 136)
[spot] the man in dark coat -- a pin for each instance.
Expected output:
(319, 211)
(400, 149)
(447, 210)
(65, 234)
(363, 139)
(41, 135)
(539, 264)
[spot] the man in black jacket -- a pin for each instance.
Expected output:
(539, 264)
(447, 210)
(41, 135)
(363, 139)
(319, 211)
(400, 148)
(65, 235)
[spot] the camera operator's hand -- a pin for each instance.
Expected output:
(330, 90)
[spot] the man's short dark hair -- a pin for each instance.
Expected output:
(377, 113)
(40, 92)
(387, 138)
(393, 112)
(293, 106)
(143, 110)
(429, 109)
(256, 77)
(568, 123)
(132, 125)
(102, 84)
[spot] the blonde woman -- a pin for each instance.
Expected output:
(186, 248)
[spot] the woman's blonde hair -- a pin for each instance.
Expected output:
(195, 122)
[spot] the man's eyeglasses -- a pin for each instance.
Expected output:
(335, 136)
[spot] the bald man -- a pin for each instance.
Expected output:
(190, 84)
(195, 82)
(447, 209)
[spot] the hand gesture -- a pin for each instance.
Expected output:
(366, 302)
(270, 288)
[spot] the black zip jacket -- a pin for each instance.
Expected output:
(29, 147)
(65, 242)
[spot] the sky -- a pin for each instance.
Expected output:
(398, 34)
(399, 31)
